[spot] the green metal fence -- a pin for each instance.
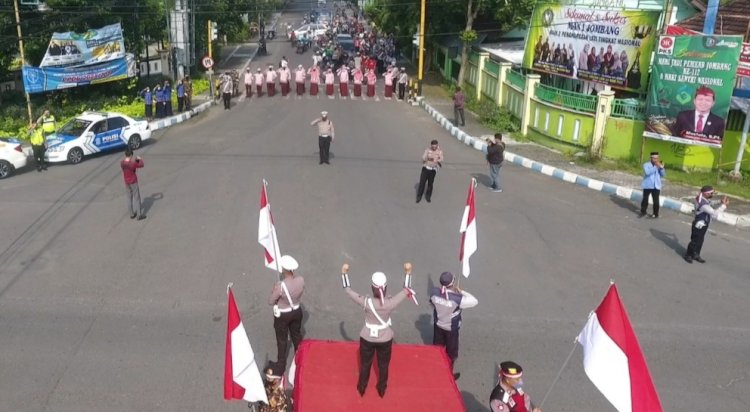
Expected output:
(570, 100)
(516, 79)
(629, 108)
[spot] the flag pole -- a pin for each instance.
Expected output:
(557, 378)
(270, 226)
(461, 262)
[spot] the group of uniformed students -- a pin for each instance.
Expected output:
(376, 335)
(161, 97)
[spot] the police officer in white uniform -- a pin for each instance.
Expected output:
(285, 298)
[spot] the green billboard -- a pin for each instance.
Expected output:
(608, 46)
(691, 88)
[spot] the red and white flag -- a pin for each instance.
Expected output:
(267, 232)
(613, 360)
(468, 231)
(241, 377)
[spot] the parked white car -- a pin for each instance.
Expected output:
(13, 156)
(312, 30)
(94, 132)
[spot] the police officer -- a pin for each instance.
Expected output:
(448, 301)
(274, 386)
(703, 214)
(508, 395)
(285, 298)
(38, 146)
(376, 335)
(47, 121)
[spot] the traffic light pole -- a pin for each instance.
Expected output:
(23, 57)
(210, 71)
(420, 74)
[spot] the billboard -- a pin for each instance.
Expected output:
(691, 88)
(41, 79)
(81, 49)
(612, 47)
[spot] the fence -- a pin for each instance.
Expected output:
(516, 79)
(629, 108)
(570, 100)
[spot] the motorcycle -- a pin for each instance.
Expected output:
(302, 46)
(271, 34)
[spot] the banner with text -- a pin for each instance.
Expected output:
(42, 79)
(612, 47)
(79, 49)
(691, 88)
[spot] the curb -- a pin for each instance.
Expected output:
(622, 192)
(171, 121)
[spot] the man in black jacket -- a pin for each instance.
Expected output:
(495, 153)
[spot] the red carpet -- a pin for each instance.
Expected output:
(420, 380)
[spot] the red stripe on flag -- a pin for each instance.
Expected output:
(231, 389)
(614, 320)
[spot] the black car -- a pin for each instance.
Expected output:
(346, 42)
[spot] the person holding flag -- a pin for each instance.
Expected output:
(376, 335)
(448, 301)
(508, 395)
(285, 298)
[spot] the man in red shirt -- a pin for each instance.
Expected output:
(129, 166)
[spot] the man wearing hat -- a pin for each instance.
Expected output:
(703, 214)
(277, 399)
(376, 335)
(448, 301)
(508, 395)
(271, 81)
(403, 78)
(285, 75)
(653, 172)
(326, 134)
(259, 79)
(248, 83)
(285, 298)
(432, 160)
(299, 78)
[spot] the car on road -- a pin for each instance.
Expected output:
(324, 17)
(311, 30)
(346, 42)
(14, 155)
(94, 132)
(321, 3)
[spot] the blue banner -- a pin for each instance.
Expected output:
(81, 49)
(38, 79)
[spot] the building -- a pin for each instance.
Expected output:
(154, 61)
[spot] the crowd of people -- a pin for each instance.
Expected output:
(158, 101)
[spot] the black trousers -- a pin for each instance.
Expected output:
(447, 339)
(696, 241)
(324, 144)
(654, 193)
(367, 350)
(289, 323)
(401, 90)
(168, 107)
(39, 156)
(227, 100)
(180, 104)
(427, 176)
(458, 113)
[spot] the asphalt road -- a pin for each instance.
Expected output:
(101, 313)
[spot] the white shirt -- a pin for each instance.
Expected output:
(695, 121)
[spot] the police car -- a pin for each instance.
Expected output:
(94, 132)
(13, 156)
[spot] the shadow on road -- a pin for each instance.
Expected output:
(625, 204)
(149, 201)
(343, 333)
(482, 179)
(473, 404)
(669, 239)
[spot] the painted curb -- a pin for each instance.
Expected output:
(634, 195)
(171, 121)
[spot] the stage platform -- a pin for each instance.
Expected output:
(420, 380)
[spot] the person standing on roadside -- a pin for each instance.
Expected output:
(180, 96)
(372, 78)
(329, 79)
(129, 165)
(704, 212)
(299, 78)
(458, 107)
(326, 135)
(148, 103)
(227, 87)
(314, 73)
(653, 172)
(271, 81)
(188, 93)
(259, 79)
(47, 122)
(358, 76)
(38, 146)
(343, 73)
(403, 79)
(248, 83)
(159, 99)
(432, 160)
(285, 75)
(167, 90)
(388, 75)
(495, 157)
(287, 313)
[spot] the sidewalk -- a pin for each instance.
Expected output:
(553, 163)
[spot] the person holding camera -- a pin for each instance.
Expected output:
(287, 313)
(653, 172)
(129, 165)
(703, 214)
(432, 160)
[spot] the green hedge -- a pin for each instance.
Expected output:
(66, 104)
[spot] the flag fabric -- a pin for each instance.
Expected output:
(613, 360)
(468, 231)
(267, 232)
(241, 377)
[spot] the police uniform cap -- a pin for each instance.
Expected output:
(510, 369)
(446, 278)
(272, 371)
(379, 279)
(324, 113)
(289, 263)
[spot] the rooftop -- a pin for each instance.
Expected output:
(733, 18)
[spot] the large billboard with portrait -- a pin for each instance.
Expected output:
(691, 87)
(82, 49)
(612, 47)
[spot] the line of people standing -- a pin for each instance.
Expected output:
(158, 101)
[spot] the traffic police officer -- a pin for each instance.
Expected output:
(448, 301)
(38, 146)
(285, 298)
(508, 395)
(47, 121)
(703, 214)
(376, 335)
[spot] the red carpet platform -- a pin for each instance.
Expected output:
(420, 380)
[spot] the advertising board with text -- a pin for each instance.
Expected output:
(611, 47)
(691, 87)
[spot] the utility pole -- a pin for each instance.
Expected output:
(420, 74)
(23, 57)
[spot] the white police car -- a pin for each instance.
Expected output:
(13, 156)
(94, 132)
